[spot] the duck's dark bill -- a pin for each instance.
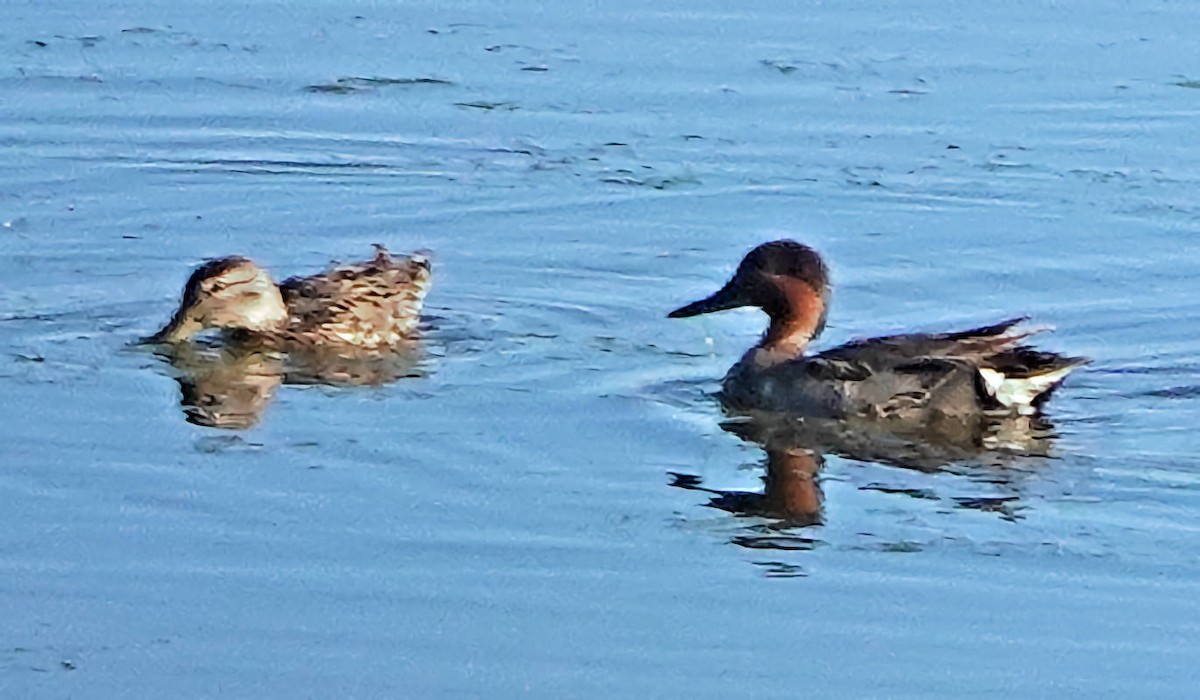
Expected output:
(162, 337)
(728, 297)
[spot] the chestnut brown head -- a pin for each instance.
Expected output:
(783, 278)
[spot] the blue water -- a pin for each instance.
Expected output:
(511, 523)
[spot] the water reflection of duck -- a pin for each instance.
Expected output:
(912, 379)
(796, 449)
(230, 385)
(372, 305)
(225, 386)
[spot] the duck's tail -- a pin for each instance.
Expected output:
(1018, 377)
(1022, 378)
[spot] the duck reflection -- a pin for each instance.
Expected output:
(796, 449)
(230, 385)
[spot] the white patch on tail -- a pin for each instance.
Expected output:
(1019, 392)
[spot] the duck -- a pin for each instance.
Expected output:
(912, 379)
(374, 305)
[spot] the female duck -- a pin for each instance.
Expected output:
(913, 377)
(372, 305)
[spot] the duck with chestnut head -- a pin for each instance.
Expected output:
(917, 378)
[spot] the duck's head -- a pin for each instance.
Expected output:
(790, 283)
(228, 293)
(786, 279)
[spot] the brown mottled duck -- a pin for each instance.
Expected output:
(371, 305)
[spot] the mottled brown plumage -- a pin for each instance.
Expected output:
(371, 305)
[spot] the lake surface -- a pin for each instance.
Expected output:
(528, 518)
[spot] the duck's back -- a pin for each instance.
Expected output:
(370, 305)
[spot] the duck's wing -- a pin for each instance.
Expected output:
(973, 345)
(908, 391)
(1011, 375)
(371, 304)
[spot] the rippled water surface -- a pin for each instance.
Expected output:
(550, 507)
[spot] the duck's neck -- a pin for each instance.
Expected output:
(793, 325)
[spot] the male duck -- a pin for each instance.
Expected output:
(914, 378)
(371, 305)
